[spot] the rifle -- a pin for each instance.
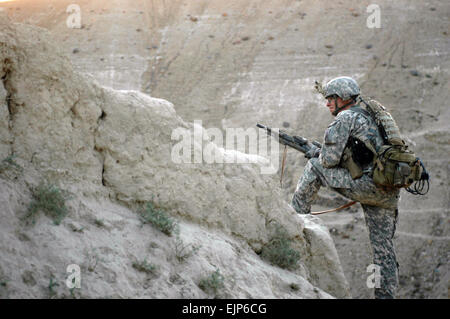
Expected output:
(298, 143)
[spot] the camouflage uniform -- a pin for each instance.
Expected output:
(380, 206)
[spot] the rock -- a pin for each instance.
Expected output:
(318, 238)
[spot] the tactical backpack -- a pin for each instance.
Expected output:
(395, 165)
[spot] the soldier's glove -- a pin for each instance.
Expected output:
(313, 151)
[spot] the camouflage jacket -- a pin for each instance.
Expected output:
(347, 123)
(329, 169)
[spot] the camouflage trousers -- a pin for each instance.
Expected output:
(380, 213)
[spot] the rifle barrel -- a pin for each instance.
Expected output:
(286, 139)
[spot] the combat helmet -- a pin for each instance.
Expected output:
(343, 86)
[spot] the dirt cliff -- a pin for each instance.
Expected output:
(111, 151)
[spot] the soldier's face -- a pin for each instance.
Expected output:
(331, 103)
(334, 102)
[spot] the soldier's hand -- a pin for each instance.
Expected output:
(313, 151)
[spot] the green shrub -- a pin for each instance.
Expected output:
(213, 282)
(279, 252)
(8, 163)
(159, 219)
(143, 266)
(51, 200)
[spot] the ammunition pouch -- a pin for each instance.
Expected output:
(349, 163)
(356, 156)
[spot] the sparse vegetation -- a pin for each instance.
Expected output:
(99, 223)
(279, 252)
(73, 294)
(8, 163)
(92, 259)
(294, 286)
(212, 283)
(51, 291)
(51, 200)
(159, 219)
(182, 251)
(144, 266)
(3, 282)
(3, 286)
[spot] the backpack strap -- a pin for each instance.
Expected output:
(366, 114)
(360, 110)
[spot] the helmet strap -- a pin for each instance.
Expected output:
(338, 109)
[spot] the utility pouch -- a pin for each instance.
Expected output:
(396, 167)
(348, 163)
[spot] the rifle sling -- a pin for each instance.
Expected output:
(334, 209)
(282, 165)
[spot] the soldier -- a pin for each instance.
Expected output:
(327, 167)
